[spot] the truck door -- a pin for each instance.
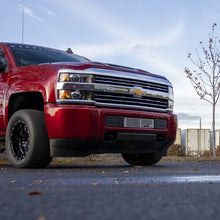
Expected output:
(3, 69)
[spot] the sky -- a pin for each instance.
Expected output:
(152, 35)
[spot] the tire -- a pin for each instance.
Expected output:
(142, 159)
(27, 143)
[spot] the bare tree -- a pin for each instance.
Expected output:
(206, 78)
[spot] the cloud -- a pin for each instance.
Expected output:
(96, 17)
(99, 50)
(146, 50)
(165, 39)
(123, 40)
(99, 17)
(138, 45)
(29, 12)
(45, 10)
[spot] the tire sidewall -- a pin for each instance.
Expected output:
(143, 159)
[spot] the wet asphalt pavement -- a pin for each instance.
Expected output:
(111, 191)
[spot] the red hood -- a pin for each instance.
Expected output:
(87, 65)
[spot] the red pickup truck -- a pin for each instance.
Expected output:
(53, 103)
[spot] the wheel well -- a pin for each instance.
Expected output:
(26, 100)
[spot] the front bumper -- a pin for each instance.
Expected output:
(79, 130)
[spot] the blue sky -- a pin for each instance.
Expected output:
(153, 35)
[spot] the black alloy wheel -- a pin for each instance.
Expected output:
(20, 140)
(27, 143)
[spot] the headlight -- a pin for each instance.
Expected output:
(170, 90)
(64, 77)
(171, 104)
(171, 97)
(74, 77)
(75, 86)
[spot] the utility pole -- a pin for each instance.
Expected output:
(22, 27)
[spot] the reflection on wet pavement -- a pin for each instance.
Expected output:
(134, 180)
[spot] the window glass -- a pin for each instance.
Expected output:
(1, 53)
(33, 55)
(3, 62)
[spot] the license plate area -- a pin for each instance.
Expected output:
(130, 122)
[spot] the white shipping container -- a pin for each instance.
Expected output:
(195, 141)
(217, 138)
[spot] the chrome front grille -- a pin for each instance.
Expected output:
(130, 100)
(119, 81)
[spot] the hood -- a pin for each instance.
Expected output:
(87, 65)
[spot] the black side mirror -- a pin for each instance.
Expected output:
(3, 64)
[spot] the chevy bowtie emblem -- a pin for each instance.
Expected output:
(138, 91)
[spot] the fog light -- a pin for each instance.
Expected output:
(76, 95)
(64, 94)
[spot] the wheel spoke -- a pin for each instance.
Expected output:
(20, 140)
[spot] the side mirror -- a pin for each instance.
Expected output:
(3, 64)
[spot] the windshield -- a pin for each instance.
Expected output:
(26, 55)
